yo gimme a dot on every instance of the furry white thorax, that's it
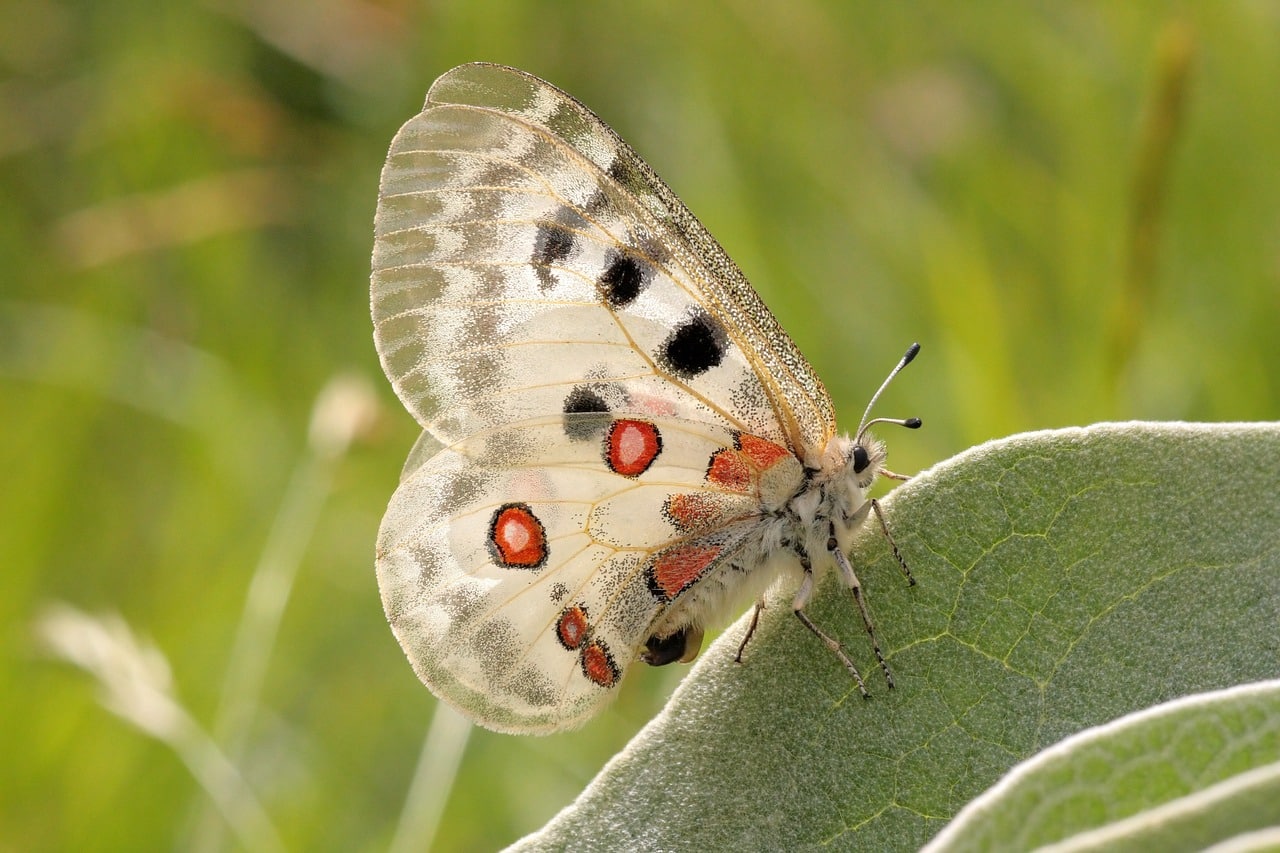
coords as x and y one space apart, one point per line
833 492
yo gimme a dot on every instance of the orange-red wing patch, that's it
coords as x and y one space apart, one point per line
571 627
598 665
631 446
729 470
678 568
764 453
517 538
692 511
738 469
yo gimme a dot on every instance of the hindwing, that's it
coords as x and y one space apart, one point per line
523 573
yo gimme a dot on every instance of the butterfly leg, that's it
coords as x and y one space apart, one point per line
751 630
893 546
851 580
798 604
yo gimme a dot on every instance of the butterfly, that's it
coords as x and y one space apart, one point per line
621 447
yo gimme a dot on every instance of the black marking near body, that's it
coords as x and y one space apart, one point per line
664 650
582 403
623 280
552 245
695 346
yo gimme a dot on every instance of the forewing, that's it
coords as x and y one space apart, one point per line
528 262
523 568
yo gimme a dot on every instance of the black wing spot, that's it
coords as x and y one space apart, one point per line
623 280
586 413
552 245
697 345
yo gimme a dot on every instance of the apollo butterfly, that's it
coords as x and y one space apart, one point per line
620 445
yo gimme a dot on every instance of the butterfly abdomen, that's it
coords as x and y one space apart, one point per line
790 528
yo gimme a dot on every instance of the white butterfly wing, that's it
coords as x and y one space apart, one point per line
522 573
527 261
537 293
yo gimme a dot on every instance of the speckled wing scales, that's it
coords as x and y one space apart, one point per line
608 407
522 572
528 261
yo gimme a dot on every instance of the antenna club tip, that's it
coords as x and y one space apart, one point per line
913 423
864 423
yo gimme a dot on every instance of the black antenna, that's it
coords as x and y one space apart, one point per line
909 423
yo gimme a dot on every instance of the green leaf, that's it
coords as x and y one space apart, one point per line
1065 579
1179 776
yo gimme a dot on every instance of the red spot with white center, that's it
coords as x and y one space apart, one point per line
631 447
516 537
679 568
598 665
571 629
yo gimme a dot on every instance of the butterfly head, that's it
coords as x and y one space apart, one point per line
865 457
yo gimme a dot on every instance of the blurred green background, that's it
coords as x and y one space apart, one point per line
1074 207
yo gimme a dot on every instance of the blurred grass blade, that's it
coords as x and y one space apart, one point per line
192 211
433 780
134 683
344 408
1175 50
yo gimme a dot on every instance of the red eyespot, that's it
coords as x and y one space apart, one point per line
516 537
598 665
631 447
571 628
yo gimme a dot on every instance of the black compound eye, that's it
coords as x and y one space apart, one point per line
860 459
